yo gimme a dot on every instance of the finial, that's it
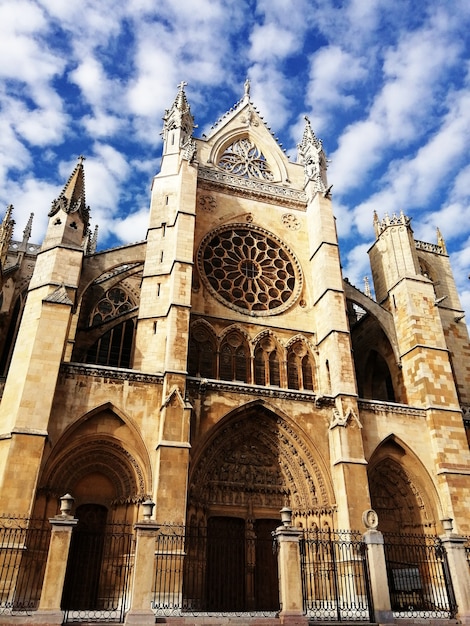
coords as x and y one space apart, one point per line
440 241
81 158
366 286
182 85
27 233
247 88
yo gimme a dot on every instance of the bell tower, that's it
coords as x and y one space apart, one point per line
407 278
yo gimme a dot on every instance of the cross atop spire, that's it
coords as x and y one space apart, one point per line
178 118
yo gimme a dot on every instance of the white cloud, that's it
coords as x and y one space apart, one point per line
270 41
133 227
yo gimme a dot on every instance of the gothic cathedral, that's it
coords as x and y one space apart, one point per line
224 368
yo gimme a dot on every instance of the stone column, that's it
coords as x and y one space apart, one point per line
144 571
49 611
290 577
459 570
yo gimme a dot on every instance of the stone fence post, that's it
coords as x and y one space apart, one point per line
374 541
290 576
140 611
379 588
49 611
459 569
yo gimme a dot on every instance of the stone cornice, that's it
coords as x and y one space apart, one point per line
387 407
203 385
214 179
114 373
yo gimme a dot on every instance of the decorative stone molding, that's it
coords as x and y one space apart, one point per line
206 386
207 203
249 187
341 417
378 407
290 221
429 247
97 371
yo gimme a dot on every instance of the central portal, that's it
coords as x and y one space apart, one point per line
241 565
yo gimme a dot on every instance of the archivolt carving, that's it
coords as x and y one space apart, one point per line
103 456
395 491
258 460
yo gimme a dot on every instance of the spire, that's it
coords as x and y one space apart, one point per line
179 117
92 241
27 233
6 233
72 197
440 241
312 157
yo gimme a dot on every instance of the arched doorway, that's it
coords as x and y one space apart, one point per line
82 580
400 490
252 464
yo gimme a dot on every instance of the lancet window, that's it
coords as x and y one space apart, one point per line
267 369
234 358
299 367
244 158
202 354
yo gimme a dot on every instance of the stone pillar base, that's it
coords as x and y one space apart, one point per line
293 619
464 618
384 617
140 618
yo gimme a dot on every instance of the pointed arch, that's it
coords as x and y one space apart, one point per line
402 491
234 355
202 353
257 135
268 356
300 364
106 465
256 457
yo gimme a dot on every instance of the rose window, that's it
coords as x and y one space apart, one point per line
250 270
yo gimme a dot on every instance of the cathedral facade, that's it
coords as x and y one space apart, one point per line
224 368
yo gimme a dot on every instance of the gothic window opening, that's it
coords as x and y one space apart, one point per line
233 362
12 333
244 158
115 302
299 367
114 348
202 354
267 368
379 384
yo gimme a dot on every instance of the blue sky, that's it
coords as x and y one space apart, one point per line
386 85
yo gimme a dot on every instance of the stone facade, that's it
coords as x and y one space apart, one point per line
224 368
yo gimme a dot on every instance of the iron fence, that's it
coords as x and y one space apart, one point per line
24 545
467 550
216 570
418 577
335 576
98 576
